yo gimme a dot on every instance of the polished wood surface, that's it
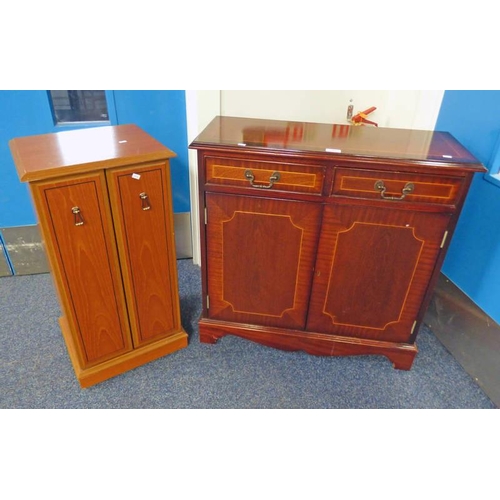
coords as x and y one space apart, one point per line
145 246
321 139
293 177
261 255
113 263
90 375
76 151
83 258
319 344
426 188
372 270
366 283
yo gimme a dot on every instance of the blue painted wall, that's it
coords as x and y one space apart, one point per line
21 113
473 259
162 113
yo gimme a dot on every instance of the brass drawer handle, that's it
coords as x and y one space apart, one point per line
380 186
274 178
145 201
78 216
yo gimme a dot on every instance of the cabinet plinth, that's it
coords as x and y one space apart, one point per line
324 243
104 205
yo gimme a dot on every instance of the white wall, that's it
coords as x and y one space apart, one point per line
417 109
201 107
395 108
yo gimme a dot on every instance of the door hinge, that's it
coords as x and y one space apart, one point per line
413 327
444 239
206 216
208 302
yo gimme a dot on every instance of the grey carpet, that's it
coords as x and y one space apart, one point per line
35 370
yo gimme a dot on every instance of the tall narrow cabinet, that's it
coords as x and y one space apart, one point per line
104 204
325 238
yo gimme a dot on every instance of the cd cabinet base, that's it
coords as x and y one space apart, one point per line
116 366
401 355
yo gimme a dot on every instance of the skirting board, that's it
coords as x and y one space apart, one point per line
472 337
25 250
4 265
24 247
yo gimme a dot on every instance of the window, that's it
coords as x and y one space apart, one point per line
70 106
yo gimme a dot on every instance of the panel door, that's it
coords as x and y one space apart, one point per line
142 209
260 258
372 272
81 244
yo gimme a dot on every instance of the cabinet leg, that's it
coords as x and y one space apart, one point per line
402 360
207 338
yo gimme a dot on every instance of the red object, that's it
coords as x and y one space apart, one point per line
340 130
360 118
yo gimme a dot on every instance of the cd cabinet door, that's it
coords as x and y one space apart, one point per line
78 234
142 212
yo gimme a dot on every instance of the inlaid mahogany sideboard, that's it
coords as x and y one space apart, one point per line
104 204
325 238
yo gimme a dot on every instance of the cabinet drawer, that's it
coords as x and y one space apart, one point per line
265 175
396 186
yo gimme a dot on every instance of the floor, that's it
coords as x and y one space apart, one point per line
468 333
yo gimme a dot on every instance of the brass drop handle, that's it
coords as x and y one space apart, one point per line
145 201
78 216
274 178
408 188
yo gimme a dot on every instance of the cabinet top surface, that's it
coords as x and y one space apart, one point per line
344 140
75 151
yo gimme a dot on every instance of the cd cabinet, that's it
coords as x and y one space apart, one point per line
104 205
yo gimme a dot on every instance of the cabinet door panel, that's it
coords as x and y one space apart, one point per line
145 237
86 254
260 258
373 269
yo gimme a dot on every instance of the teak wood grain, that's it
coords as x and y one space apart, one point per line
84 259
78 151
113 263
369 258
145 235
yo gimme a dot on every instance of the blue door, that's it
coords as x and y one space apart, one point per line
161 113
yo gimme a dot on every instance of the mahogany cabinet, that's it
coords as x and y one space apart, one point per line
104 204
325 238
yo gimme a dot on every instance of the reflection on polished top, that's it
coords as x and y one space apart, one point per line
336 139
43 156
